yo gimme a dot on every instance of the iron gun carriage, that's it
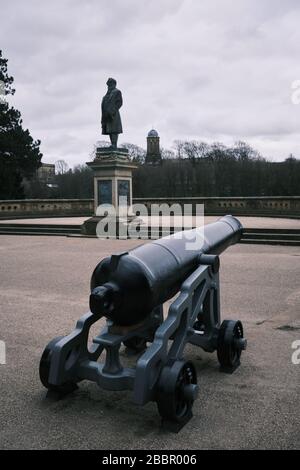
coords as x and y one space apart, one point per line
129 290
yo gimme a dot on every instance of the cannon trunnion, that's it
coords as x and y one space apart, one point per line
129 289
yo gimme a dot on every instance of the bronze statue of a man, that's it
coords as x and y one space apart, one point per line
111 119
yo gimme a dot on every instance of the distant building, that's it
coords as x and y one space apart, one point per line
46 173
153 156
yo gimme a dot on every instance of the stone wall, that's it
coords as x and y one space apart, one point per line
46 208
270 206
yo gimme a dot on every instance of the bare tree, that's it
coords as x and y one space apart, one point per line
193 169
61 167
178 146
136 153
167 154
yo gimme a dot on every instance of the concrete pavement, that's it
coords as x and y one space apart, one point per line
44 290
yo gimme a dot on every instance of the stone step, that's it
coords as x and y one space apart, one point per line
254 236
40 226
268 241
271 235
46 234
272 230
39 229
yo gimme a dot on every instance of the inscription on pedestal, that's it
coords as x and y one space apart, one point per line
105 192
124 192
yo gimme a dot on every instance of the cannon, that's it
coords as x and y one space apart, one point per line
129 290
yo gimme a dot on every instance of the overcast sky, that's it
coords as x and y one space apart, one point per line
212 70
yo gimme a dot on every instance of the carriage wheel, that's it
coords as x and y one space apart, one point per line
177 390
231 343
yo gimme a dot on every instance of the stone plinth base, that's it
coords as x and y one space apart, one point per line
89 227
111 152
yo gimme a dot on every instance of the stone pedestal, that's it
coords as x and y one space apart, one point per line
112 185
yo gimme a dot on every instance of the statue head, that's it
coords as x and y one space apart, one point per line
111 83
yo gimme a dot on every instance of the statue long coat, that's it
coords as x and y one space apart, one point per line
111 119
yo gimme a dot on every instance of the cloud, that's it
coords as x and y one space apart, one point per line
213 70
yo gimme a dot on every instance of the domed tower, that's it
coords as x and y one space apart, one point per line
153 156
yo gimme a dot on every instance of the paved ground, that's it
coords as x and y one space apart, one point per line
248 222
44 289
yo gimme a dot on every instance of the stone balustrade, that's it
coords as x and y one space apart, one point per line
264 205
46 207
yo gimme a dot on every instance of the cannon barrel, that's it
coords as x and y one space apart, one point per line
126 287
